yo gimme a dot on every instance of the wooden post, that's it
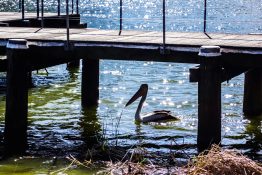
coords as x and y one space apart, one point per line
73 64
58 7
15 133
30 83
90 82
209 98
23 9
37 8
252 105
77 6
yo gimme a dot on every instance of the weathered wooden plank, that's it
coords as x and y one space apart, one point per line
136 37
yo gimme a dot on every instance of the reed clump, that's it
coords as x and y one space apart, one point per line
224 162
216 161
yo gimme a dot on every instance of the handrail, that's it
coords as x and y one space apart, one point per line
37 8
23 9
77 6
72 7
67 26
42 13
19 6
58 7
120 17
164 26
205 15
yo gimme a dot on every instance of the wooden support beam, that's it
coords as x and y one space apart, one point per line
227 73
90 82
252 105
73 64
30 83
15 133
71 54
194 74
209 98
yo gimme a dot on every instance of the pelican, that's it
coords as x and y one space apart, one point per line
155 116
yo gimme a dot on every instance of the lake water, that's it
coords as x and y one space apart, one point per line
59 127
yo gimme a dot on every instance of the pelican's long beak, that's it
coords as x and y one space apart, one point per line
136 96
141 91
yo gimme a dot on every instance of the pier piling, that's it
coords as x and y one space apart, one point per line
15 133
73 64
252 105
209 98
90 82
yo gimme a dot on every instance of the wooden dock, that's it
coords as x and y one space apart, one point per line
49 20
173 39
229 55
237 50
11 16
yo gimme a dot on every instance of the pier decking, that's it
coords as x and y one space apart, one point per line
133 37
107 44
43 47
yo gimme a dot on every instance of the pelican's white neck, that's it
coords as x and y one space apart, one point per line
139 108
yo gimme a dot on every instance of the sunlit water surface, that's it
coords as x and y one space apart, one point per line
59 127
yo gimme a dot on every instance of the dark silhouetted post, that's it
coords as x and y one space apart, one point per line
42 13
15 134
73 64
205 15
58 7
77 6
209 98
67 25
37 8
120 17
72 7
164 26
90 82
252 105
23 9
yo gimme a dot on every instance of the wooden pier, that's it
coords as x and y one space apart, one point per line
28 49
50 20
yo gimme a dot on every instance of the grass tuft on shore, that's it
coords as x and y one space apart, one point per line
212 162
226 162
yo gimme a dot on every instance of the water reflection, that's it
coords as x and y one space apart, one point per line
254 137
72 72
90 127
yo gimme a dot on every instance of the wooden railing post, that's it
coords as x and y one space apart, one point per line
209 98
37 8
15 133
90 82
58 7
23 9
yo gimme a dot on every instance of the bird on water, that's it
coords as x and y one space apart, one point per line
155 116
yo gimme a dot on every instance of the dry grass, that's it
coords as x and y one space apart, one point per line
224 162
214 162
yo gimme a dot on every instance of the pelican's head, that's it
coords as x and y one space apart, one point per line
142 91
